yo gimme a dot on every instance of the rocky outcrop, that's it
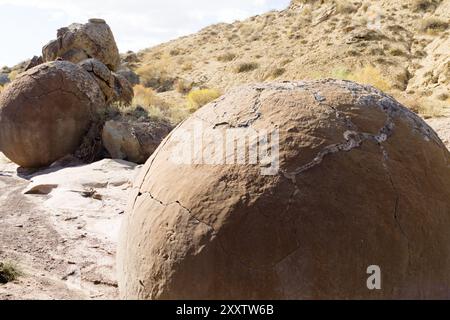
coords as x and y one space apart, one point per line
46 111
114 86
4 79
123 90
79 42
134 141
34 62
362 181
130 75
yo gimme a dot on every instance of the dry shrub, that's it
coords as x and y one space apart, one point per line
13 75
145 97
9 271
157 74
425 107
148 104
187 66
371 76
424 5
278 72
246 67
226 57
183 86
345 7
433 25
199 98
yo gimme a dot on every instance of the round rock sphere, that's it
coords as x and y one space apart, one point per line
45 113
360 202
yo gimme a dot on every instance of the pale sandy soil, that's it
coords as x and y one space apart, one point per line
64 243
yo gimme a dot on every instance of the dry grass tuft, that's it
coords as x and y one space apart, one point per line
246 67
198 98
371 76
226 57
424 5
183 86
278 72
157 74
433 25
345 7
425 107
148 104
9 271
146 97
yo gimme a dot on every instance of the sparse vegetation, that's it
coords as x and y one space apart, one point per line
345 7
146 97
183 86
9 271
396 52
278 72
425 107
226 57
367 75
340 73
199 98
13 75
148 104
424 5
433 25
371 76
157 74
246 67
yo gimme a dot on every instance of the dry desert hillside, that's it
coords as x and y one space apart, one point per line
401 47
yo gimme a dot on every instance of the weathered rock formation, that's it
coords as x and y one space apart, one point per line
46 111
79 42
134 141
114 86
130 75
362 181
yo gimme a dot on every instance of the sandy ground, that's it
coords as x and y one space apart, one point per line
65 244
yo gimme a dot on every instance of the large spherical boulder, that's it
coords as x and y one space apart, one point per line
362 183
79 42
46 111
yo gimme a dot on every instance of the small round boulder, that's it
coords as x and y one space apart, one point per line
46 111
350 194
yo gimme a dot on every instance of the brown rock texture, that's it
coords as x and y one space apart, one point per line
79 42
362 182
134 142
46 111
114 86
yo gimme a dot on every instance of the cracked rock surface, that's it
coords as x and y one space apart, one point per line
362 181
134 141
114 86
79 42
46 111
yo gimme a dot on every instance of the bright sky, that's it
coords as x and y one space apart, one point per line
137 24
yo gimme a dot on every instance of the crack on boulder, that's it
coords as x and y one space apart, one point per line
178 203
255 110
353 140
155 154
397 204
